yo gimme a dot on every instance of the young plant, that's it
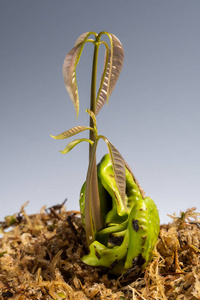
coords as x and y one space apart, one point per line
121 225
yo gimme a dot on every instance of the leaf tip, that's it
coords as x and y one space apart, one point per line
62 151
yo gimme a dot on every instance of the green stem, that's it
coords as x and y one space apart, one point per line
93 85
93 218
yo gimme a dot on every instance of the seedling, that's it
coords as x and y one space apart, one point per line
121 225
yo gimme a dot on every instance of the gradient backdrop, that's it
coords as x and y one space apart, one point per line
153 113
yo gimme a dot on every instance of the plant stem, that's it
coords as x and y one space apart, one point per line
93 86
93 218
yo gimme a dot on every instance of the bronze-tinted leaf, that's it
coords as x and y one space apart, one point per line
93 218
118 168
117 62
82 37
113 62
71 132
92 115
72 144
69 70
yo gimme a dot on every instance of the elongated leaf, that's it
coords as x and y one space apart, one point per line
92 115
117 62
71 132
113 62
69 75
72 144
102 95
93 218
69 70
83 36
118 168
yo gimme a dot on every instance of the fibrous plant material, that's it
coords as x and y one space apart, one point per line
40 258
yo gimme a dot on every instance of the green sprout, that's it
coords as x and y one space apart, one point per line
121 225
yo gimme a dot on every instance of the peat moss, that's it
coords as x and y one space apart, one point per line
40 258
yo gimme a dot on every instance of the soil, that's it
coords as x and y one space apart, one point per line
40 258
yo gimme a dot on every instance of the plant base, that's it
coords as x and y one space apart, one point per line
40 258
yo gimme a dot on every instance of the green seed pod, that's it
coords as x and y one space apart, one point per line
101 255
143 230
126 242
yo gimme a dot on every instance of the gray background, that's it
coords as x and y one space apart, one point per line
153 113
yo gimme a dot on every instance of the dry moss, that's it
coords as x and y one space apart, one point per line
40 258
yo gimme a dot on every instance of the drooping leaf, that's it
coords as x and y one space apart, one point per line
117 62
113 62
69 69
118 169
72 144
83 36
71 132
92 115
102 95
93 218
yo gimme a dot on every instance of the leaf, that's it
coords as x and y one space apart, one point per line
117 62
118 169
72 144
83 36
113 62
92 115
71 132
93 218
69 69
